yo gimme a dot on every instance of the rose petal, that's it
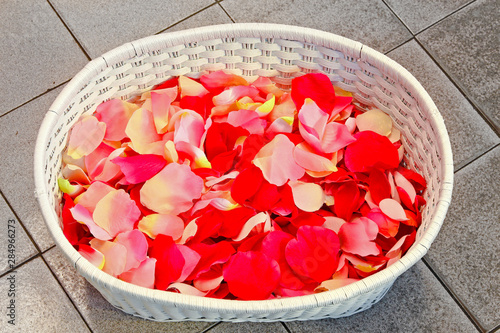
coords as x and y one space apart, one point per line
307 196
115 256
116 212
219 80
376 121
95 257
82 215
141 130
172 190
346 200
161 101
266 86
190 87
387 226
234 93
186 289
115 113
74 173
248 120
189 127
393 209
317 86
371 150
143 276
217 253
333 223
137 247
402 182
139 168
379 186
306 158
251 275
276 161
155 224
195 155
262 217
86 135
313 254
357 237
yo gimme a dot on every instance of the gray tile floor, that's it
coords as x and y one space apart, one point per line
451 46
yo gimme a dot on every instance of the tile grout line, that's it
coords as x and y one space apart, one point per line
69 30
445 17
186 18
32 99
399 45
286 327
225 11
210 327
461 89
452 294
67 295
26 261
21 223
495 329
473 159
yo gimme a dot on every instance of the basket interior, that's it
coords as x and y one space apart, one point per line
280 54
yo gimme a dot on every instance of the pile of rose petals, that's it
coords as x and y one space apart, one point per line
223 188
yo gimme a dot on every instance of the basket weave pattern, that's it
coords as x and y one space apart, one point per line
251 50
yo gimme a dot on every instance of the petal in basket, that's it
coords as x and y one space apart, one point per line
326 129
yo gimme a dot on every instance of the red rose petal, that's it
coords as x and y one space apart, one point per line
251 275
346 200
313 254
371 150
139 168
379 186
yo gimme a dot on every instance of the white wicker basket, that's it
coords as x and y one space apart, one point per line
251 50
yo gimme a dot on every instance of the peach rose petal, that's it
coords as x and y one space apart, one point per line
86 135
261 218
172 190
116 212
247 119
402 182
307 196
74 173
143 276
190 87
232 94
189 127
95 192
137 247
155 224
95 257
333 223
142 131
115 256
393 209
161 101
276 161
375 120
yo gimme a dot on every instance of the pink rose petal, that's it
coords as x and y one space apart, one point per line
139 168
86 135
393 209
143 276
155 224
357 237
115 114
172 190
116 212
276 161
115 256
136 245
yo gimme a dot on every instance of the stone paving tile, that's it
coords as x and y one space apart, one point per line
417 302
466 44
103 25
419 14
36 51
469 134
211 15
40 303
18 132
466 251
101 315
17 247
369 22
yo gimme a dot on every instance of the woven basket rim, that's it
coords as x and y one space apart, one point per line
317 37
